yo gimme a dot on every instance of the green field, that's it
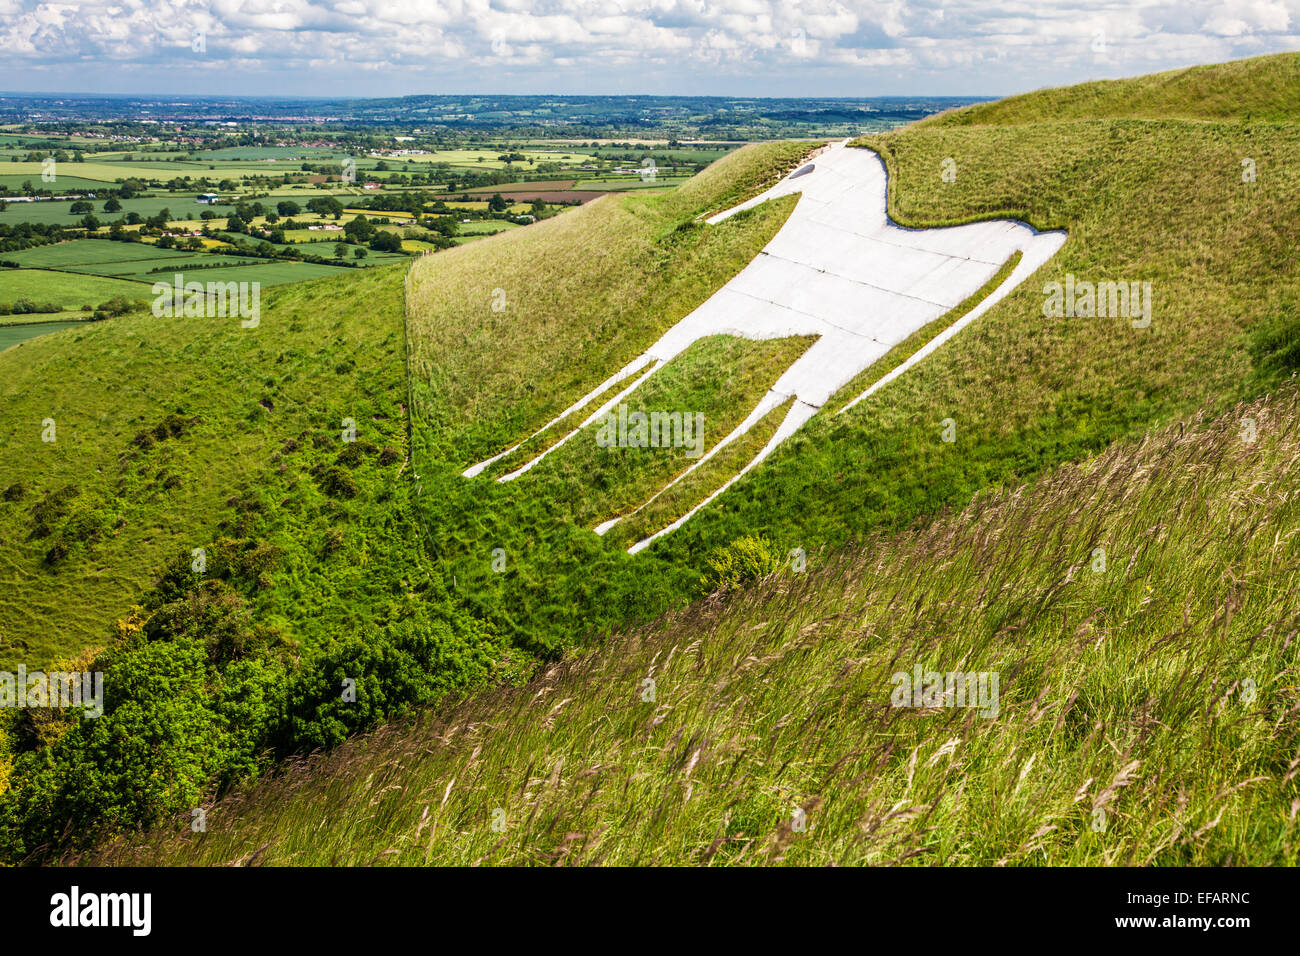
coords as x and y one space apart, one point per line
92 171
11 335
70 291
486 227
137 262
89 252
11 185
181 206
148 269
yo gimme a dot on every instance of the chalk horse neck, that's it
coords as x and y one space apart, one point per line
839 270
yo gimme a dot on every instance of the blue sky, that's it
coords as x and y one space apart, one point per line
724 47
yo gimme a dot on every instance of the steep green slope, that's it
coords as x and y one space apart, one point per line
224 526
1265 88
1160 201
1138 611
223 529
333 562
159 426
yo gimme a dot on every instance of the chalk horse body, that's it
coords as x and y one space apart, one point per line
840 270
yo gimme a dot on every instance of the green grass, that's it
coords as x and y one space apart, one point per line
65 288
584 294
1026 393
676 501
1122 688
720 378
267 273
11 185
489 227
151 269
18 332
140 263
88 251
1147 713
105 382
181 205
1265 88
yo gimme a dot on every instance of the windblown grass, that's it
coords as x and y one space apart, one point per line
1260 88
1148 711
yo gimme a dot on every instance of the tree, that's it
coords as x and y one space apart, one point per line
444 226
235 224
359 253
497 203
112 205
340 249
287 207
80 207
325 206
359 229
385 241
90 223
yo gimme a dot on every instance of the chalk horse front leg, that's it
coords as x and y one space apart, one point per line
628 370
798 414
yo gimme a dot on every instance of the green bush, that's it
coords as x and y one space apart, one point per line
149 755
745 559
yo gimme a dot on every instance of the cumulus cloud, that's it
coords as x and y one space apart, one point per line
762 47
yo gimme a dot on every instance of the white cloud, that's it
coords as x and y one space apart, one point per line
845 47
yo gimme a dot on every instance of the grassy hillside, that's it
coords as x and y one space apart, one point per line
203 531
1265 88
333 561
579 297
1159 201
1147 712
161 425
1162 202
223 524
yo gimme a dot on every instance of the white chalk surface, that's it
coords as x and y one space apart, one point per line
840 270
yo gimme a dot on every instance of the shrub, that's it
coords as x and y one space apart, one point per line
148 756
745 559
337 482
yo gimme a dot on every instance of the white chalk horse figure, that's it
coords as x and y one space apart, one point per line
837 269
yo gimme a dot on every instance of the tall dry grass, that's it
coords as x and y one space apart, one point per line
1148 708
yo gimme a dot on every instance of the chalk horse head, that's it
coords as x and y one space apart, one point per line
840 270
